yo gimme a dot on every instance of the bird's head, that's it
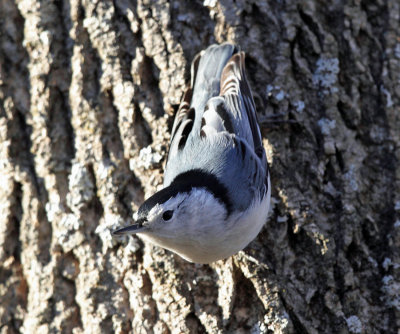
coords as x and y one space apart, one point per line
187 221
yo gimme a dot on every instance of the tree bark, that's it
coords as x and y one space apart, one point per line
88 91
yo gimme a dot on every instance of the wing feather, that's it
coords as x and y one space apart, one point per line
185 112
238 98
205 78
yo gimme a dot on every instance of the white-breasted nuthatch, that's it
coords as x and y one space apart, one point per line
216 185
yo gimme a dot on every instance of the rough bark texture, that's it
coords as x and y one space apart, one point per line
88 90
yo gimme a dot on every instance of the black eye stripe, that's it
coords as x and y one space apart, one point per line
167 215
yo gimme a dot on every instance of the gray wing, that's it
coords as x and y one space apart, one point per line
234 110
206 71
238 108
185 116
220 134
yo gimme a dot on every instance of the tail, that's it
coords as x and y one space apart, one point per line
206 73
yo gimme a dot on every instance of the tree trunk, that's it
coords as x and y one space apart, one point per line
88 91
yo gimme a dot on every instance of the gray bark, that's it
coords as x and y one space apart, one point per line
88 90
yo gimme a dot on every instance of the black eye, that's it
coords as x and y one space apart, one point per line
167 215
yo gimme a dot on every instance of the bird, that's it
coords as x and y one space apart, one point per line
217 186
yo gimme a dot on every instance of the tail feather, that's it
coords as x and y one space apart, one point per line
208 74
218 99
235 87
206 71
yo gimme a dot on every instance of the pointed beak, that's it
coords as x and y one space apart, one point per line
131 229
